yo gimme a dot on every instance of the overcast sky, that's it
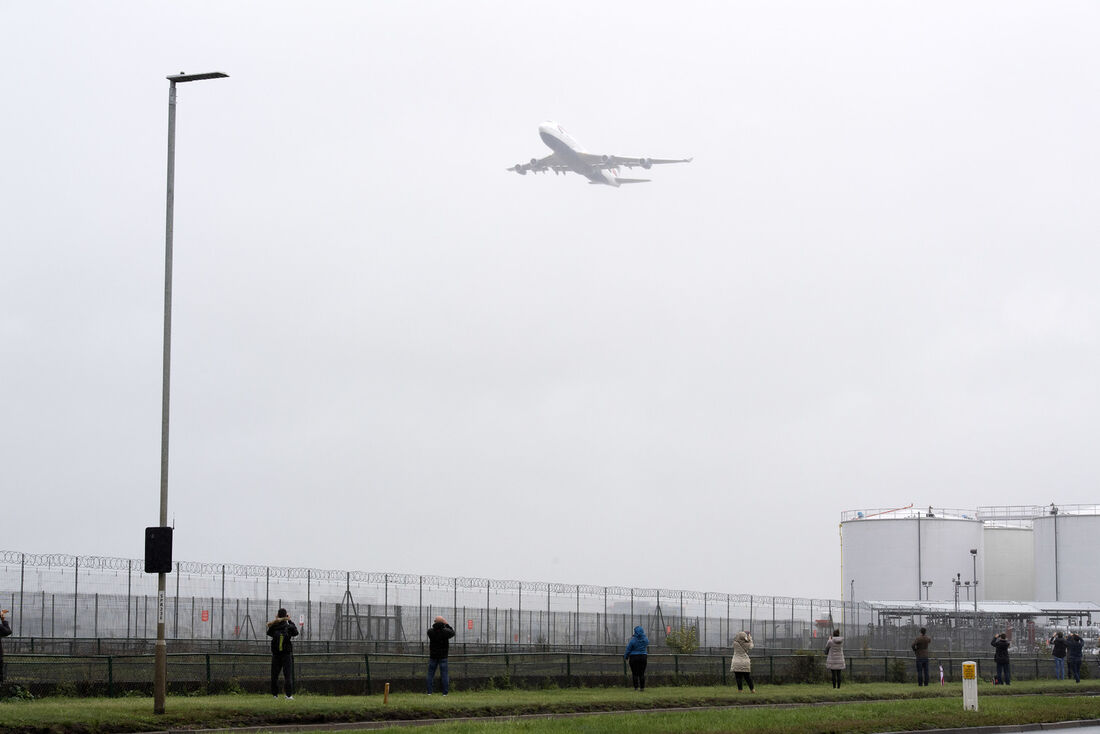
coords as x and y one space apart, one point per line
876 284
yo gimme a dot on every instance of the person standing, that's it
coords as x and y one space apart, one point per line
1058 650
741 664
439 647
1000 657
834 659
1074 652
281 630
637 655
920 647
5 630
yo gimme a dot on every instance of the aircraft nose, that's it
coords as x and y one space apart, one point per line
548 127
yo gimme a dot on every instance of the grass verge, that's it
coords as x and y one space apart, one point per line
101 715
853 718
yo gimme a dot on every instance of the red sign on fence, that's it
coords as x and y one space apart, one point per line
205 615
469 624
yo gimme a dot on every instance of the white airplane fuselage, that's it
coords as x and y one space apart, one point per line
563 144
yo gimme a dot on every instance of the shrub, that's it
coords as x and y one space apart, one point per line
15 692
806 667
66 689
684 640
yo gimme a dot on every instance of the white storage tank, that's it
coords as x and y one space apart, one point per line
1066 548
1009 563
887 554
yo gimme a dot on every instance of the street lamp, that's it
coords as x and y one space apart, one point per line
160 673
974 557
927 590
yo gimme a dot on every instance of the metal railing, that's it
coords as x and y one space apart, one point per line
351 673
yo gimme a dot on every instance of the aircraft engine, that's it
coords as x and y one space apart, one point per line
534 162
646 163
606 158
521 170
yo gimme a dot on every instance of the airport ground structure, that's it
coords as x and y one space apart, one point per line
1021 553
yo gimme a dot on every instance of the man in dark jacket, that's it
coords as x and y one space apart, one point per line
920 647
5 630
439 645
1058 650
1074 649
280 630
1000 657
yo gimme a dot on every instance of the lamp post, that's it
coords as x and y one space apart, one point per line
974 557
927 590
160 672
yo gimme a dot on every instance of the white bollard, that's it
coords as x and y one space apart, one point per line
970 686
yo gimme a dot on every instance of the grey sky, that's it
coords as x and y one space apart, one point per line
875 285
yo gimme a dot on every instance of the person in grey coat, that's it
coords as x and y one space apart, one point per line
741 664
834 660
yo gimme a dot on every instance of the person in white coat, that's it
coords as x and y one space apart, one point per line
741 664
834 659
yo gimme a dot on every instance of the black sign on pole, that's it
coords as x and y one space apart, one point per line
158 550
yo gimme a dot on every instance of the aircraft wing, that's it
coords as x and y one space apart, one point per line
540 165
619 161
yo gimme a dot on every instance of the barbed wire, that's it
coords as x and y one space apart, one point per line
257 572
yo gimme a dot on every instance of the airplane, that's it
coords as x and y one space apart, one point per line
569 156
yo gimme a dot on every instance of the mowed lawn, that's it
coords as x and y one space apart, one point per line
899 707
858 717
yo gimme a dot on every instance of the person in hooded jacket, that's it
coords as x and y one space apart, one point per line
741 664
1075 647
1000 657
834 658
439 647
280 630
637 655
1058 650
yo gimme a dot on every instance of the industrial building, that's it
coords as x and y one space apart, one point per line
1022 553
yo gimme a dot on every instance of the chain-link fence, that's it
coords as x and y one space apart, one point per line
62 597
93 605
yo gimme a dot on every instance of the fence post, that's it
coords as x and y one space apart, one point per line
366 662
76 591
676 665
771 669
207 672
723 670
568 667
110 676
885 668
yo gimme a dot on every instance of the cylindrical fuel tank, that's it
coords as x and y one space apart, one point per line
886 557
1066 549
1009 563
